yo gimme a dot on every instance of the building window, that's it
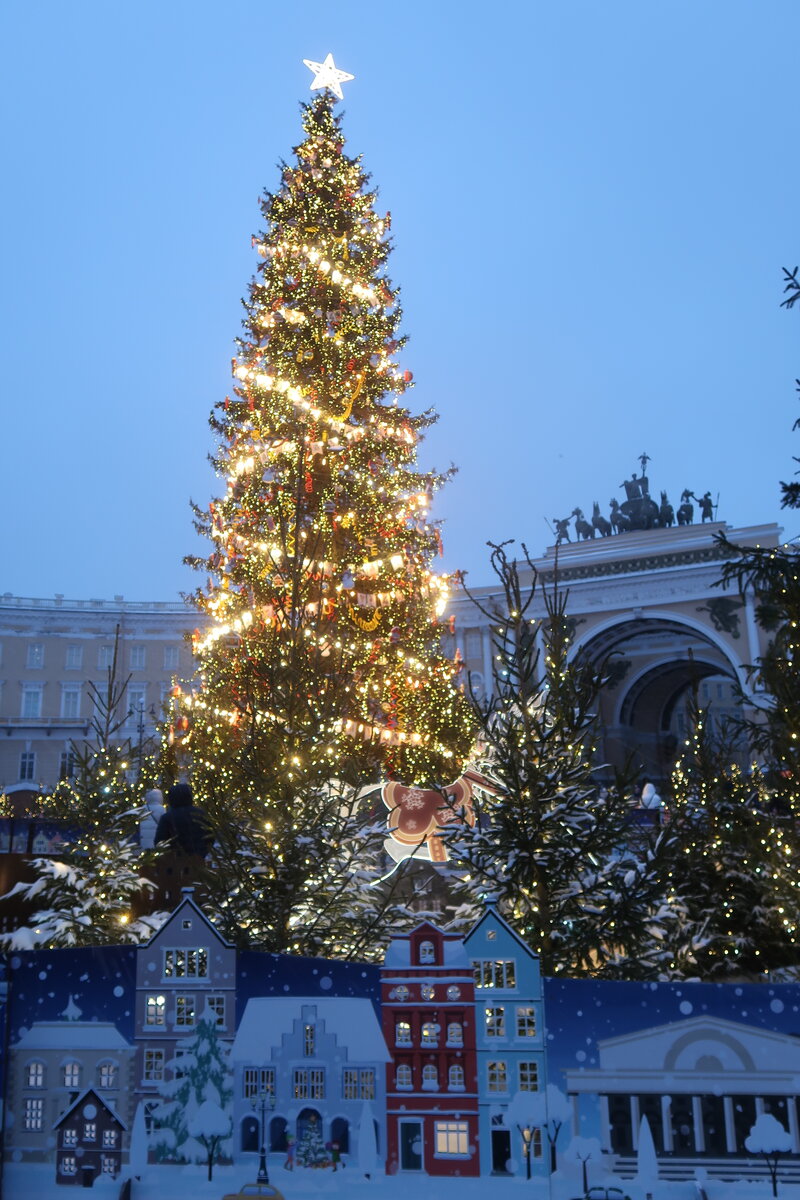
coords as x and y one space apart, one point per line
153 1066
427 952
137 701
90 1131
33 1114
257 1081
69 1164
215 1009
495 1022
184 1011
34 1075
403 1079
455 1078
171 658
105 657
317 1083
366 1084
430 1078
349 1084
109 1138
497 1076
27 765
300 1084
186 964
108 1164
74 659
31 708
72 1075
137 658
108 1075
430 1033
536 1143
69 1137
528 1077
451 1139
155 1008
402 1033
358 1084
495 973
455 1034
309 1041
35 660
68 765
70 700
526 1022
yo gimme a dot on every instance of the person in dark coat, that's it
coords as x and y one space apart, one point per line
184 823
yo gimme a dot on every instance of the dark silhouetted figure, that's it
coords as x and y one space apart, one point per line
184 823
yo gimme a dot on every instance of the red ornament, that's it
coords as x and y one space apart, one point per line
227 403
408 376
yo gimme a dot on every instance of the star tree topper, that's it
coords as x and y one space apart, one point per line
326 74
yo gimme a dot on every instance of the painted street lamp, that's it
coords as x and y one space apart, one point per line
260 1103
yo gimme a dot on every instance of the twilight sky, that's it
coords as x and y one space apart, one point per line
591 207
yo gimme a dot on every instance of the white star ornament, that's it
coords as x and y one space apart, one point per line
327 74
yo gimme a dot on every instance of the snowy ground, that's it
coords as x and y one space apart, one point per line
176 1183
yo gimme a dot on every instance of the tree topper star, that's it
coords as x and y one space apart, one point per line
326 74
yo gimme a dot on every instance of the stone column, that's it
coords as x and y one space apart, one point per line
605 1124
666 1123
791 1112
635 1118
697 1118
730 1124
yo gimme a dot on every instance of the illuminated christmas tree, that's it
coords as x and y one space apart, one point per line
322 659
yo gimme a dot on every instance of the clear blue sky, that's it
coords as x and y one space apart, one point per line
592 203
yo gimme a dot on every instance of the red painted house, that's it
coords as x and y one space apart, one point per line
428 1015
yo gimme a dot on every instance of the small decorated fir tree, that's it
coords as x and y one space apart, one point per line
311 1150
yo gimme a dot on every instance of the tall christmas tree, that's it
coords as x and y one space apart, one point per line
322 661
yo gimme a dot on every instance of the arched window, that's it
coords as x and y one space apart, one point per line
72 1074
430 1078
455 1034
403 1078
455 1078
402 1033
34 1074
108 1074
427 952
430 1034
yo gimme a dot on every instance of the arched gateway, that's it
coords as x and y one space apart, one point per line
650 599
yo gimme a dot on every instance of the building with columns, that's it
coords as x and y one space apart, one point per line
651 600
700 1082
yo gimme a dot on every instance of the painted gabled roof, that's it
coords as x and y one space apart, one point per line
491 914
82 1099
72 1035
189 902
351 1020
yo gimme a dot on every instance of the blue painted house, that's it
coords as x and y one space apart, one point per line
509 1022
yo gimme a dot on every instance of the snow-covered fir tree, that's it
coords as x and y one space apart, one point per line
200 1074
555 847
311 1150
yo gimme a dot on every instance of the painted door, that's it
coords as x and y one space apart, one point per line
411 1145
501 1151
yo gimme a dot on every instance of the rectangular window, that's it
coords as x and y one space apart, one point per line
309 1041
137 658
258 1081
70 700
34 1076
495 1022
108 1164
451 1139
68 765
69 1137
497 1076
155 1008
350 1084
72 1075
153 1066
367 1084
105 657
528 1077
35 660
31 708
495 973
536 1144
27 765
215 1006
74 658
526 1021
402 1033
108 1075
137 715
171 658
90 1131
33 1114
317 1083
109 1138
186 964
300 1084
69 1164
184 1011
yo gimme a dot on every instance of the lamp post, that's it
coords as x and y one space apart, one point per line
139 713
527 1138
260 1103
